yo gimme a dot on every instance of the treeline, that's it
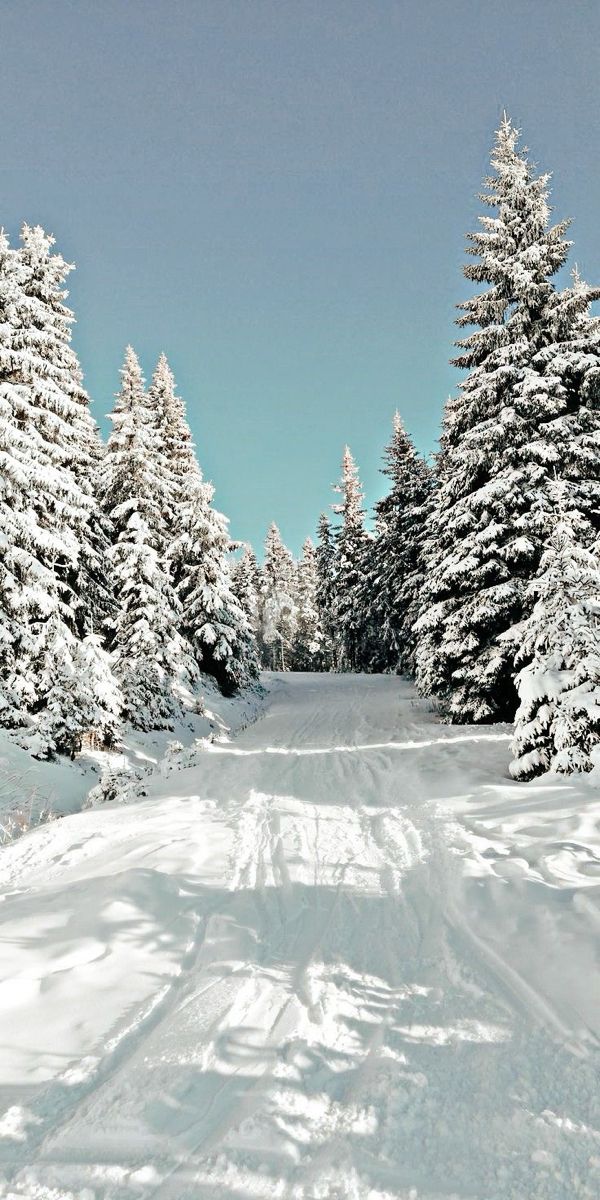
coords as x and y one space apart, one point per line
115 567
350 602
482 575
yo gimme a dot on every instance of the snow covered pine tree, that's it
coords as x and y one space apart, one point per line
246 583
558 720
349 619
213 618
277 604
49 550
152 660
198 547
487 530
308 641
84 702
394 568
325 556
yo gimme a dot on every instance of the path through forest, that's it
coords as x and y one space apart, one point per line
340 956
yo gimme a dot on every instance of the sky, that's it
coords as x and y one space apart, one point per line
276 193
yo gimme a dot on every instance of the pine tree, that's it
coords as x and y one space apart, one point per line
129 469
197 544
488 526
18 560
277 606
565 382
558 720
308 640
394 570
214 621
325 558
176 467
84 703
63 408
47 510
153 661
349 619
245 580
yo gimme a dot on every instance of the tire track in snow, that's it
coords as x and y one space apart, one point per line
75 1092
527 998
265 864
399 846
259 825
62 1100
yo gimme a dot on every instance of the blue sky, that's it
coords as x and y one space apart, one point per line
276 193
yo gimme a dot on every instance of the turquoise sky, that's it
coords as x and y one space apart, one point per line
276 195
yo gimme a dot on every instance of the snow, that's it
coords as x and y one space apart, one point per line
31 789
340 955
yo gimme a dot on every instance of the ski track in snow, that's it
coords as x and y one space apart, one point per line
341 957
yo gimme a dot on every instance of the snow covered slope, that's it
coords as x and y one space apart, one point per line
32 788
341 956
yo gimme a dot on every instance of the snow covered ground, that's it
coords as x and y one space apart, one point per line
341 955
33 789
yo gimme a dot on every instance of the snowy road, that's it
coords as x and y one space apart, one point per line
340 957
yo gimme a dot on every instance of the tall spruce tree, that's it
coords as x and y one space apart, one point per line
565 383
198 547
24 579
325 558
48 517
213 618
394 567
557 725
153 661
84 702
278 613
197 544
349 618
128 480
245 580
487 529
62 397
308 640
176 468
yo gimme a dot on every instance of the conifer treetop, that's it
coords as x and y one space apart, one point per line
350 488
518 251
